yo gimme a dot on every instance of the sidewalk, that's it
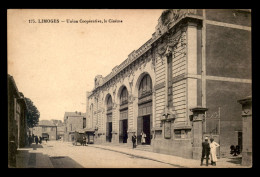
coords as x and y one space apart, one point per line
169 159
28 157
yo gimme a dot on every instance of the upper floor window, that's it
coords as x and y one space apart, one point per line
124 96
145 86
91 110
109 103
169 79
84 122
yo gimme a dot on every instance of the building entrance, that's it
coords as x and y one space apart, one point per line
144 125
147 129
109 128
123 131
109 132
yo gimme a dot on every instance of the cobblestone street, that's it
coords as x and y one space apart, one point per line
57 154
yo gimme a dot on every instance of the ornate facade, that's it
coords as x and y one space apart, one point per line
153 90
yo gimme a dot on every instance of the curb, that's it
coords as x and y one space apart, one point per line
138 156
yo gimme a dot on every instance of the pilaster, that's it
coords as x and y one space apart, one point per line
197 118
247 131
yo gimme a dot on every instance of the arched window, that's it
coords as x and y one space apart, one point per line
124 96
145 87
109 103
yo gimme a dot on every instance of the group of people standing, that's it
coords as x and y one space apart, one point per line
143 139
209 150
36 139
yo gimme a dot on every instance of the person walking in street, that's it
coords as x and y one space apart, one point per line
205 151
143 136
40 140
84 140
33 138
36 140
134 140
213 151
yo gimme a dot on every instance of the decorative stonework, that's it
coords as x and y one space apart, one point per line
114 105
131 98
170 17
159 85
130 80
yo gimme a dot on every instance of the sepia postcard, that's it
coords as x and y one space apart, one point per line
129 88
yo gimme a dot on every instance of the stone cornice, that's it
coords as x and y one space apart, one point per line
144 49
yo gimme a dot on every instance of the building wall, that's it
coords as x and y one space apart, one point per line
228 52
225 95
228 70
17 129
12 127
71 124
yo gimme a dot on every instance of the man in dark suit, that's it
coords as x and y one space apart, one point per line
205 151
134 140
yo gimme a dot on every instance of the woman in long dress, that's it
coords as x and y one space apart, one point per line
143 135
213 151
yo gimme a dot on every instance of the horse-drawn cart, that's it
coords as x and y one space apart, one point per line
78 138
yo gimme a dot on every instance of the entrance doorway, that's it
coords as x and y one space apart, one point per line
109 132
144 125
147 129
123 131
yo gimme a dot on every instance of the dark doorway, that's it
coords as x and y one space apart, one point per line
240 140
109 132
123 131
147 129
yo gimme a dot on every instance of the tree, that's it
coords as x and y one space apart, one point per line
32 114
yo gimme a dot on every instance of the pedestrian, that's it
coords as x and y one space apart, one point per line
84 140
40 141
143 136
134 140
36 140
46 139
213 151
205 151
30 140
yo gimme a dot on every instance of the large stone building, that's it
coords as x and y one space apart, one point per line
195 58
73 121
45 129
17 115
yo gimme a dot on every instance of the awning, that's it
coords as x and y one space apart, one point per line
90 130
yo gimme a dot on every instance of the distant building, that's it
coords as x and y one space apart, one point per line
45 129
58 123
60 132
60 128
73 121
17 127
195 58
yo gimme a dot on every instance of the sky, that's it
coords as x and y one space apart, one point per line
55 64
